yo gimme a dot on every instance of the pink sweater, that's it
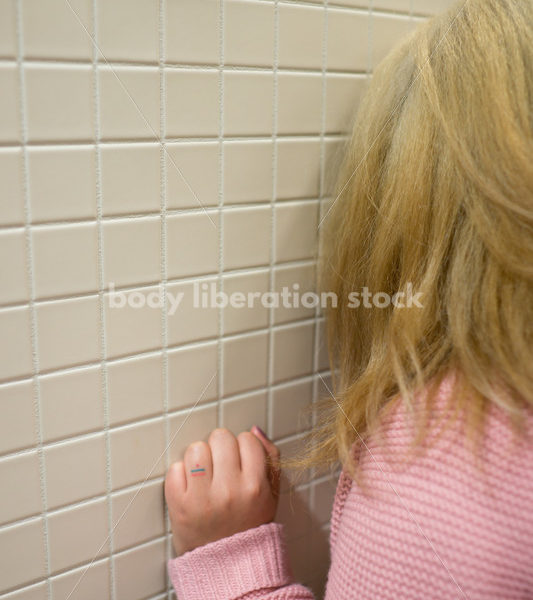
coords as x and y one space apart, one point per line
439 526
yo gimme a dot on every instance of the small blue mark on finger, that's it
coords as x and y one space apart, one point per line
197 471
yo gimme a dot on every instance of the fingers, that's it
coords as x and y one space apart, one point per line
226 455
270 448
198 466
252 455
175 482
273 456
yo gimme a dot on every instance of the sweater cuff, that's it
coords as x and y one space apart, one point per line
233 566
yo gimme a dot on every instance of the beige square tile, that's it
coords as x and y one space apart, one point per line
192 103
133 321
290 448
53 30
192 244
132 251
189 427
395 5
248 100
77 535
17 426
15 343
293 351
22 489
130 178
247 233
323 360
11 199
68 332
392 5
298 169
288 408
387 31
22 553
242 314
141 572
343 94
192 35
71 403
248 33
296 231
129 102
247 171
62 183
295 281
65 259
75 470
325 386
8 29
138 515
324 493
333 155
93 584
320 559
190 375
431 7
33 592
299 549
59 102
299 103
128 30
137 453
135 388
294 513
245 363
13 266
240 414
9 104
301 35
347 40
192 174
193 319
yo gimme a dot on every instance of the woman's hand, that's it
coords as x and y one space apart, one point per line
227 485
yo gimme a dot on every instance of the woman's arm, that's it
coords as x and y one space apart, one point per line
222 499
249 565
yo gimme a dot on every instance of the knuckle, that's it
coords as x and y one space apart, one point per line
226 497
254 489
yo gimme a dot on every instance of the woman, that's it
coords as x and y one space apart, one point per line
432 413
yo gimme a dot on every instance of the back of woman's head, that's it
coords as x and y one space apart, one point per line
436 192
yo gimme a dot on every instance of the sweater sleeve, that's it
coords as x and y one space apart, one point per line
251 564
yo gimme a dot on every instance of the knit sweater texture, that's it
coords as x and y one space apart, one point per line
433 523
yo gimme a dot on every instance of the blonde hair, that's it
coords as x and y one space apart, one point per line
436 190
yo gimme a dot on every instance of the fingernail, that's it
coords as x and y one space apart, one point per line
261 432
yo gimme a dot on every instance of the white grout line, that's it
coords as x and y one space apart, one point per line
123 218
153 418
164 264
220 279
322 187
152 141
187 345
272 279
101 304
37 409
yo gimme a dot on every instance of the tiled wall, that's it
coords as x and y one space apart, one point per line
192 141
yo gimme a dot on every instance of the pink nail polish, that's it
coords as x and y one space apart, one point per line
261 432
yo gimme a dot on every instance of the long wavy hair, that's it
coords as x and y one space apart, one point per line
435 191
